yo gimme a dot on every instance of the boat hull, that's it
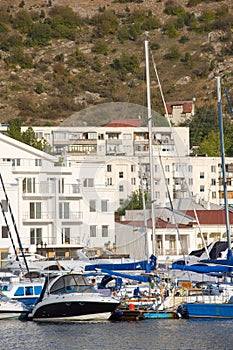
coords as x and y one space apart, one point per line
5 315
209 310
104 316
73 310
159 315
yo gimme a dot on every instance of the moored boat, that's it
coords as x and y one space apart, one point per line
25 291
11 308
71 297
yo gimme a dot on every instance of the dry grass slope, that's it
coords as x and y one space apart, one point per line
44 84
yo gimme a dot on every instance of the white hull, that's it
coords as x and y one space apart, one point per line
9 315
92 317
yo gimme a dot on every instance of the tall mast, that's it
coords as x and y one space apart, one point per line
150 143
223 164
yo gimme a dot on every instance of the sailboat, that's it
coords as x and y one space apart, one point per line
220 306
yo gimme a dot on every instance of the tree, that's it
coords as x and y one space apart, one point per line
134 202
210 145
28 136
14 129
204 121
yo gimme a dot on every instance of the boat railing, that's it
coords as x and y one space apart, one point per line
208 296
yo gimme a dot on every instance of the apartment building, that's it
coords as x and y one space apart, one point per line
58 206
67 201
124 153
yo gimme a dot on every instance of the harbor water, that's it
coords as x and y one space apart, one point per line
136 335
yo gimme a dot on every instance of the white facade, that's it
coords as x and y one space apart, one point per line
70 200
51 203
125 153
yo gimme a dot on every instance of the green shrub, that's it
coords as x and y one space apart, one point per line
66 16
106 23
171 8
184 39
192 3
100 47
125 64
22 21
40 34
39 89
173 53
17 56
171 30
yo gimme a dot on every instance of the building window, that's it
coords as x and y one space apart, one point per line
121 188
65 235
4 232
109 181
64 210
133 168
202 175
202 188
61 185
109 168
16 162
190 168
92 206
35 210
213 182
156 168
5 205
213 169
93 230
190 181
127 137
214 195
29 185
157 195
35 235
38 162
104 205
104 231
88 183
167 168
121 201
121 174
133 181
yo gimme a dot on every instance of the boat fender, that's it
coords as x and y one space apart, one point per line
184 292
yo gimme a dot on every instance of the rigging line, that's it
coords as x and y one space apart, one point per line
144 206
14 223
172 208
170 126
133 240
11 238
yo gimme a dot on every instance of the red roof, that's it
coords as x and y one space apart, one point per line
125 123
187 106
159 223
211 217
205 217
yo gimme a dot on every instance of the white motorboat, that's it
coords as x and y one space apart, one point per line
71 297
26 291
12 308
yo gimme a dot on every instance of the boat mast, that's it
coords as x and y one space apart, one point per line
150 142
14 223
223 165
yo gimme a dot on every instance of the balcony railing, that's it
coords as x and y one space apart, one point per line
50 216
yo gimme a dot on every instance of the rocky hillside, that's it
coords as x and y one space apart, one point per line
58 57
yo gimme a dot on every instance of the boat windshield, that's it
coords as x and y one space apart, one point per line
72 283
